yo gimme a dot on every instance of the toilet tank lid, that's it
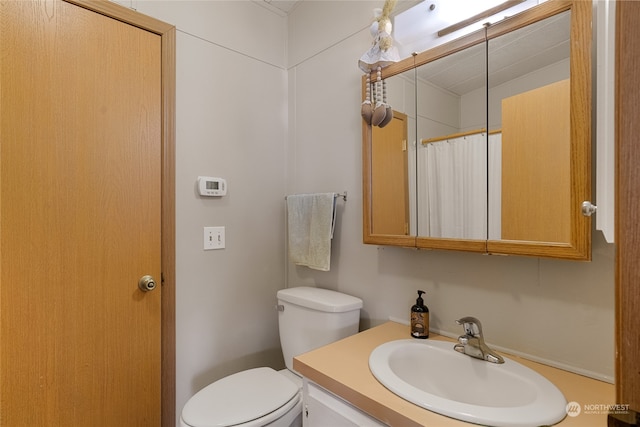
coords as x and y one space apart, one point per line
320 299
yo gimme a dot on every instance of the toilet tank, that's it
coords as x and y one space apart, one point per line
312 317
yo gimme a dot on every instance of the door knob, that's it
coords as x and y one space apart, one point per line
147 283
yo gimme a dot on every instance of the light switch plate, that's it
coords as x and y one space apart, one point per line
213 238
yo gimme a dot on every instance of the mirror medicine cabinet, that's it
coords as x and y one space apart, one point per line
489 149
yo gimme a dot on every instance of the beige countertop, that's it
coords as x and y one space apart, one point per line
343 368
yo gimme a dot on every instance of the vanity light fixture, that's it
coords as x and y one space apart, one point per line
478 17
431 23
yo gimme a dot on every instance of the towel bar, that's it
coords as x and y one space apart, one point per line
343 195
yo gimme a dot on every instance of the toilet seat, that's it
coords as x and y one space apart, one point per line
260 393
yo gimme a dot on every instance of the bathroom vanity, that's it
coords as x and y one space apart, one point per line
338 385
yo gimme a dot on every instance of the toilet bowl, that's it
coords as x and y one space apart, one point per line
266 397
252 398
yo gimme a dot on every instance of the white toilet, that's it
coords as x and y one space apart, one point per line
308 318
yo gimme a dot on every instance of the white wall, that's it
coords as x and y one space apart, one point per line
559 311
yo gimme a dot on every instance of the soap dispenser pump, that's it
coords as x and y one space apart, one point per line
420 318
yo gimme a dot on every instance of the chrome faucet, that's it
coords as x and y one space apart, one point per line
472 342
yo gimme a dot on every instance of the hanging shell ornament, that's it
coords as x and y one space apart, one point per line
366 110
381 54
389 111
380 110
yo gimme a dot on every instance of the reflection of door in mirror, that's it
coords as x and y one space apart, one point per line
390 178
391 164
529 98
536 145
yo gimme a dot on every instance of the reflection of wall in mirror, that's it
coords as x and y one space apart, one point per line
534 79
438 111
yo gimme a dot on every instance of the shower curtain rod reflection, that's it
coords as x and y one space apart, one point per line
458 135
343 195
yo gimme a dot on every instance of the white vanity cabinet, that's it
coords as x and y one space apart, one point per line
323 409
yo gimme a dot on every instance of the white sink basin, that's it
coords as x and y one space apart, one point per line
431 374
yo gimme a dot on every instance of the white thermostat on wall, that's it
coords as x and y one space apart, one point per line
210 186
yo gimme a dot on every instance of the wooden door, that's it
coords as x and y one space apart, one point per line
627 205
80 218
536 147
390 179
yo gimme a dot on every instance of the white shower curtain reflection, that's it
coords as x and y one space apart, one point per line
495 186
413 181
454 199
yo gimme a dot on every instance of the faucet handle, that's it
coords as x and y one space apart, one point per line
471 326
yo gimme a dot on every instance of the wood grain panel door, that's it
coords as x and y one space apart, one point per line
536 147
627 205
390 178
80 218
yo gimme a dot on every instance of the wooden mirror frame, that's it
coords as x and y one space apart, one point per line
579 246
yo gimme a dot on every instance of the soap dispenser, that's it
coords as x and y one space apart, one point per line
420 318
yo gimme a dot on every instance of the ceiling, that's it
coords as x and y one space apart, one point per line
516 54
533 47
284 6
